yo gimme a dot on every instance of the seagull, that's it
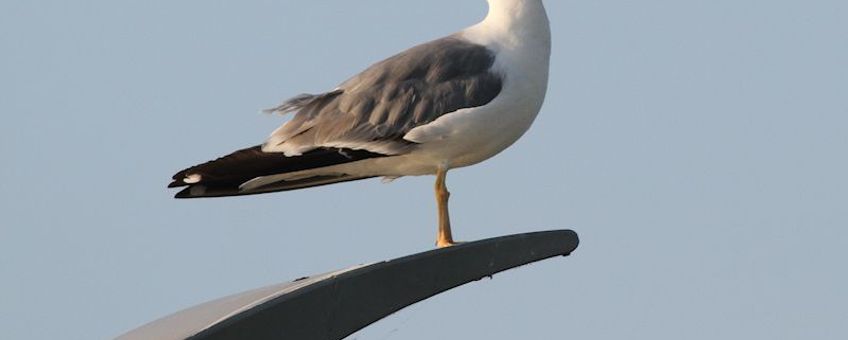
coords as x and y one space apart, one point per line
448 103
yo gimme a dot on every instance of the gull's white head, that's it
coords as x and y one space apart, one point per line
513 4
512 21
516 10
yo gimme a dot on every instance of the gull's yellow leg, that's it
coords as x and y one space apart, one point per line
444 238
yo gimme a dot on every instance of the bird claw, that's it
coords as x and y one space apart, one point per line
447 243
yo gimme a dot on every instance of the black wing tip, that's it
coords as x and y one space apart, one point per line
182 194
204 191
224 176
179 179
229 190
185 193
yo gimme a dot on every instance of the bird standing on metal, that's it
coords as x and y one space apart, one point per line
444 104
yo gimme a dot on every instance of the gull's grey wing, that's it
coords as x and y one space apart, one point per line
374 110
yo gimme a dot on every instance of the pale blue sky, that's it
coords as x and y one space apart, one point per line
698 147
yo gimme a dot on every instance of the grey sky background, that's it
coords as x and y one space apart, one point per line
698 147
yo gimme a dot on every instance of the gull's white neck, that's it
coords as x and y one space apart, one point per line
511 24
519 33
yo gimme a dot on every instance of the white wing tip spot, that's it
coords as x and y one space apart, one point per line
193 178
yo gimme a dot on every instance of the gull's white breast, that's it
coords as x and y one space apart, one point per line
522 48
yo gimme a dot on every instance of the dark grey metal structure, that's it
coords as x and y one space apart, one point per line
337 304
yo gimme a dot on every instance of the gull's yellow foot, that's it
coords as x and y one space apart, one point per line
446 243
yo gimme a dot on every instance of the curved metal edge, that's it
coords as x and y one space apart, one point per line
342 304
